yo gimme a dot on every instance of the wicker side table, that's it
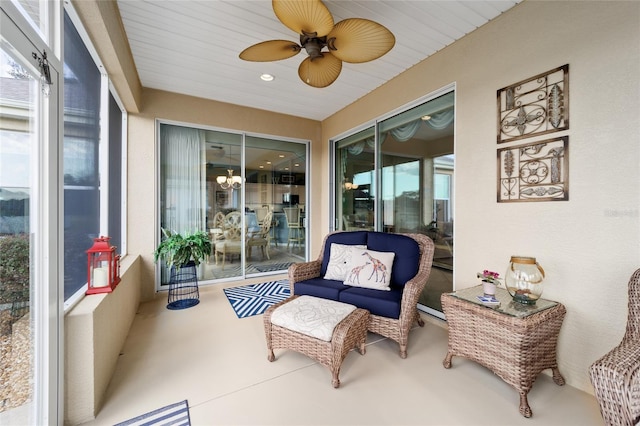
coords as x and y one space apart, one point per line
514 341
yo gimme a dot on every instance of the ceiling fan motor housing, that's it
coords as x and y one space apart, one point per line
313 45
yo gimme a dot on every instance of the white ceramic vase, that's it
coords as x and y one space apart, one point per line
488 288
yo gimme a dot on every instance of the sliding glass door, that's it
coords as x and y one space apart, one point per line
397 176
247 192
30 300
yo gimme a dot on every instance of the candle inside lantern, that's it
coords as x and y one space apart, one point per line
100 277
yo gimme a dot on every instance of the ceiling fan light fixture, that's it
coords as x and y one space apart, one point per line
353 40
314 46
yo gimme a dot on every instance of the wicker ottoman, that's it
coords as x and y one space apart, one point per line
349 333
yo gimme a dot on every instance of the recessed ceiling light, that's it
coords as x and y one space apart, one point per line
296 165
262 167
426 117
268 162
281 155
267 77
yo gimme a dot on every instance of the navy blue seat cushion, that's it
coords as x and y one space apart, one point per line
350 238
407 259
319 287
378 302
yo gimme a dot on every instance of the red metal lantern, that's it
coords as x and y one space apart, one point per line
102 267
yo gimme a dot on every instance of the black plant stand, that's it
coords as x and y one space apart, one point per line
183 287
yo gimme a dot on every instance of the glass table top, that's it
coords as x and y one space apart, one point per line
507 305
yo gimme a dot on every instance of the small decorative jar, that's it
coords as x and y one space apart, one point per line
524 279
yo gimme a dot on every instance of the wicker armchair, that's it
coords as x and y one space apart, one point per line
395 329
616 376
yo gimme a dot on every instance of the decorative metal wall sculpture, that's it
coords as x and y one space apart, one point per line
538 171
535 106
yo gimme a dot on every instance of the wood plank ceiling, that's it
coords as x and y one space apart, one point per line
192 47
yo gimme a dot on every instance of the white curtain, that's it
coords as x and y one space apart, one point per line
183 151
442 119
405 132
438 121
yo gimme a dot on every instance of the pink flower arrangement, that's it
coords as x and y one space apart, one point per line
489 276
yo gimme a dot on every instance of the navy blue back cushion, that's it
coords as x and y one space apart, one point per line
407 258
350 238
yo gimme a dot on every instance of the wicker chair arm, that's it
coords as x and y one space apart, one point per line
303 271
414 287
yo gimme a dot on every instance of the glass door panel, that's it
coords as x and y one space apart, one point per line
417 169
414 168
275 204
19 124
224 188
355 184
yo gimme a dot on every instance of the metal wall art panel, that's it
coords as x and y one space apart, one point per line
533 107
537 171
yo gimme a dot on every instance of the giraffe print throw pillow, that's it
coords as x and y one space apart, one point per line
339 257
369 269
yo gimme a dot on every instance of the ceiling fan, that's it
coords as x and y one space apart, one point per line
352 40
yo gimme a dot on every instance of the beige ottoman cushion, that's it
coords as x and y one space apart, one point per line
312 316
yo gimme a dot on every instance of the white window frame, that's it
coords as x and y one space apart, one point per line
47 271
106 89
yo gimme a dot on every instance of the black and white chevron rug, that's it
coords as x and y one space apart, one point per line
254 299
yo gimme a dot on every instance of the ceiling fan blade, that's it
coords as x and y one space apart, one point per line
304 17
320 72
272 50
359 40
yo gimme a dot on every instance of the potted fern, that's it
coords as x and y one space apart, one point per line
177 249
183 251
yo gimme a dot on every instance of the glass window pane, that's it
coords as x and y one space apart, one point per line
81 142
115 174
441 186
